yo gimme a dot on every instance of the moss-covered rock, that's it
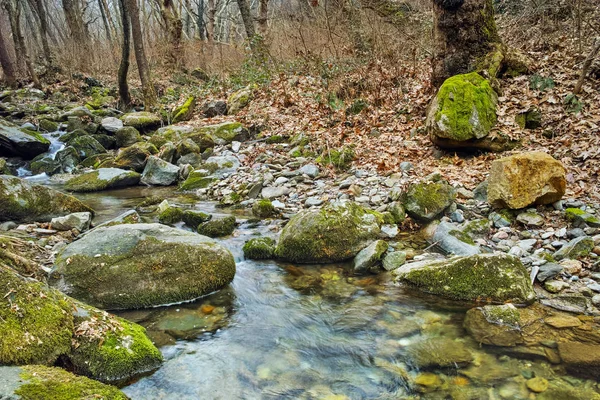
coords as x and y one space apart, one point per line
103 179
20 142
488 277
86 146
36 382
186 146
24 202
135 156
262 248
141 265
337 232
194 218
439 353
525 179
185 111
223 133
341 158
36 324
263 208
44 164
369 258
426 201
170 215
578 247
47 125
238 100
199 179
218 227
159 172
126 136
579 217
530 119
142 120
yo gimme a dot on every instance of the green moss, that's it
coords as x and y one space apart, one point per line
579 215
197 180
505 314
171 215
218 227
36 135
47 125
427 200
276 139
195 218
340 159
42 383
263 208
462 236
477 227
36 323
462 100
259 248
93 182
230 199
185 111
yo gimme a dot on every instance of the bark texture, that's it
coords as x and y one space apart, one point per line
8 68
124 97
140 54
174 30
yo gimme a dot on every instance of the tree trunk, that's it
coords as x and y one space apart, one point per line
105 21
74 19
200 21
174 28
40 10
14 14
586 66
140 54
8 68
356 30
464 33
246 19
263 17
124 97
211 20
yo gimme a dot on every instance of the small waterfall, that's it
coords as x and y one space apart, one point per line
55 146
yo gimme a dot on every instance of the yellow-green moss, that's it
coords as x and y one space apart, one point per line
171 215
340 159
197 180
427 200
263 208
262 248
218 227
184 111
577 214
194 218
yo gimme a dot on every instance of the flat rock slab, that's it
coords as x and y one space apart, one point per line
103 179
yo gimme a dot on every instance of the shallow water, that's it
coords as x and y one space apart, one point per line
283 331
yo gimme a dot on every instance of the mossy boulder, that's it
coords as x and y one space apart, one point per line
262 248
578 247
369 258
218 227
263 208
193 218
102 179
86 146
185 111
21 142
463 113
225 132
135 156
170 215
525 179
336 232
36 382
141 265
425 201
44 164
238 100
198 179
530 119
126 136
23 202
47 125
36 324
488 277
159 172
579 217
141 120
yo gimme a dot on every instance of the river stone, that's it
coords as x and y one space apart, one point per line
492 277
218 227
111 124
86 146
80 221
159 172
135 156
126 136
141 265
580 217
39 382
67 159
439 353
368 258
24 202
582 359
578 247
223 166
425 201
549 270
141 120
103 179
262 248
272 192
336 232
524 179
393 260
310 169
531 219
454 241
25 143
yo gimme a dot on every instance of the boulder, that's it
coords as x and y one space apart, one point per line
218 227
262 248
369 258
199 179
193 218
225 132
67 159
111 124
126 136
336 232
463 113
170 215
159 172
489 277
23 202
214 108
185 111
40 382
141 265
86 146
263 209
80 221
135 156
238 100
102 179
222 166
15 141
141 120
453 240
524 179
578 247
393 260
425 201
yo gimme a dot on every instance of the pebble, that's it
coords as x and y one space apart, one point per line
457 216
595 287
278 204
313 202
235 146
406 166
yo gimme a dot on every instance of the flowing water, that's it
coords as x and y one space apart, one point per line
55 146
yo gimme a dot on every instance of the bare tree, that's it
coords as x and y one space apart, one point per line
210 28
246 19
14 14
124 97
39 9
74 19
174 28
263 17
140 54
8 68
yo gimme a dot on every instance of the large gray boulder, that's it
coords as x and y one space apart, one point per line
102 179
15 141
337 232
23 202
492 277
159 172
141 265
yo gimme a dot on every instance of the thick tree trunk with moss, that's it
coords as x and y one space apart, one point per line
464 33
174 30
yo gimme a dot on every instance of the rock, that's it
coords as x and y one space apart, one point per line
23 202
86 146
198 179
368 259
579 217
142 120
214 108
159 172
462 114
170 215
313 201
141 265
480 192
102 179
530 119
218 227
537 384
80 221
47 125
439 353
578 247
126 136
582 359
336 232
531 219
222 166
185 111
572 267
39 382
262 248
549 270
226 132
398 212
15 141
135 156
494 277
426 201
194 218
238 100
108 142
453 241
524 179
311 170
264 209
111 124
555 286
272 192
389 231
394 260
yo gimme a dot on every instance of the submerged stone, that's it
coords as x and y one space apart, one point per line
103 179
262 248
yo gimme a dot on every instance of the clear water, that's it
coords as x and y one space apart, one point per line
283 331
55 146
